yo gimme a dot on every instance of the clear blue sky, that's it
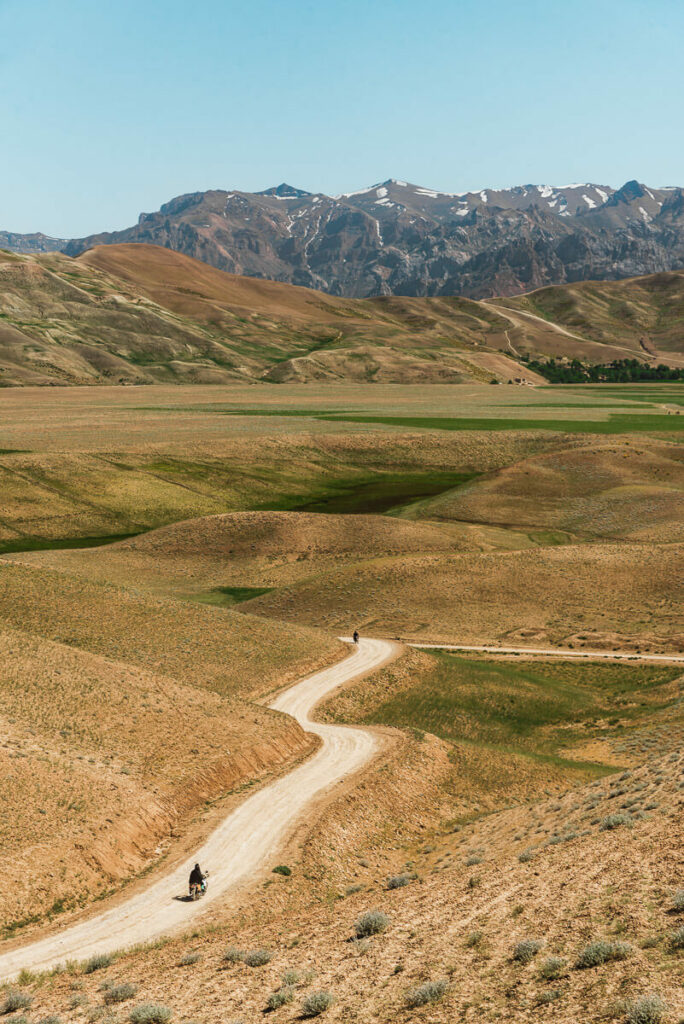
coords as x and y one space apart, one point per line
110 107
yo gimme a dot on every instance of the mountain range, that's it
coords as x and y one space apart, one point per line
396 238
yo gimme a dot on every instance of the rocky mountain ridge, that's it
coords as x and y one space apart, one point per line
396 238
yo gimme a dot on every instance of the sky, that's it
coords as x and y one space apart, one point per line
112 107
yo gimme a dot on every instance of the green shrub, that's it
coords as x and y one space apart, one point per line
53 1018
430 992
526 856
678 901
280 998
552 968
150 1013
120 993
614 821
290 978
373 922
550 996
677 939
257 957
16 1000
282 869
602 952
646 1010
472 861
233 955
474 939
526 950
316 1003
97 963
399 881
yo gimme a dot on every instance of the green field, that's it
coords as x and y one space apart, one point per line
533 709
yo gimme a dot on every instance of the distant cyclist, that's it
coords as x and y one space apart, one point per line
355 636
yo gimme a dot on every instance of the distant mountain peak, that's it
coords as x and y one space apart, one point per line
285 191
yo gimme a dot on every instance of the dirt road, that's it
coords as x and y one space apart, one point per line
556 652
242 844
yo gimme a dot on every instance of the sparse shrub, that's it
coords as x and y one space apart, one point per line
233 955
150 1013
678 901
189 959
613 821
21 1019
257 957
526 950
373 922
77 1000
53 1018
120 993
677 939
473 882
646 1010
291 978
602 952
280 998
97 963
282 869
16 1000
550 996
430 992
399 881
552 968
351 889
472 861
316 1003
526 856
474 939
650 942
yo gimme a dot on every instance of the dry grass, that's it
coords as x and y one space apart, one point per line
106 758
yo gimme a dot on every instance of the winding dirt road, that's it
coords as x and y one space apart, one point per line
554 652
241 845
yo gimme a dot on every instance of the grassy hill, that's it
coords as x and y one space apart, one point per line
138 314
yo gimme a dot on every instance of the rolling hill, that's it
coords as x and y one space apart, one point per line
137 314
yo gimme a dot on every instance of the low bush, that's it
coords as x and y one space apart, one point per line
189 959
291 978
552 968
677 939
282 869
120 993
614 821
430 992
474 939
373 922
472 861
526 856
678 901
15 1000
150 1013
399 881
550 996
257 957
602 952
316 1003
646 1010
97 963
233 955
526 950
280 998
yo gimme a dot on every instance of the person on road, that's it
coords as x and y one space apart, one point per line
196 877
355 636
